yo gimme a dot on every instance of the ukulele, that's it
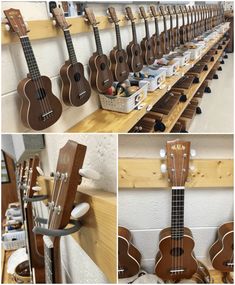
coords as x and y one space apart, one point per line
66 180
135 60
188 26
221 252
128 256
171 31
40 108
164 35
192 23
158 53
118 55
176 29
196 22
76 90
101 75
183 38
147 43
34 242
175 259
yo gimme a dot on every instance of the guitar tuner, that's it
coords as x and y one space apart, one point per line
40 171
80 210
162 153
163 168
37 188
54 23
193 152
89 173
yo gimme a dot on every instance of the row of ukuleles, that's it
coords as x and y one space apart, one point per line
41 109
175 260
43 243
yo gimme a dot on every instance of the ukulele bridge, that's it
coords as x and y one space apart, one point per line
47 115
82 94
176 271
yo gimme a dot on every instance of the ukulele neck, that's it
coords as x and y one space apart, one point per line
70 47
177 212
147 29
30 58
134 32
98 41
48 258
156 26
118 36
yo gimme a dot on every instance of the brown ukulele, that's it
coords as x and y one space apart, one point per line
147 43
101 75
34 242
128 256
175 259
66 180
76 89
118 55
135 59
158 53
221 252
40 108
164 35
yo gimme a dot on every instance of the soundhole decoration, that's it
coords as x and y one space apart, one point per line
102 66
77 76
41 93
136 53
177 251
120 59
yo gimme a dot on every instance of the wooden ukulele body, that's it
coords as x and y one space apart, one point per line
221 252
182 35
171 39
176 37
119 65
76 90
135 59
157 47
101 76
128 256
164 43
33 108
175 254
147 47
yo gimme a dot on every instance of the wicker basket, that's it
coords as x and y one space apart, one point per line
124 104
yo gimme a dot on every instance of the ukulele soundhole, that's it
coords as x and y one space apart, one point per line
120 59
177 251
136 53
41 93
102 66
149 47
77 76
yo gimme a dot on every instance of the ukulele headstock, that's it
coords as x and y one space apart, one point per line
112 15
176 10
33 175
90 17
153 11
177 158
143 13
58 14
162 11
66 180
169 10
129 14
16 22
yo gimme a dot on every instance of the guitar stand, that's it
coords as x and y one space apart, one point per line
35 198
60 232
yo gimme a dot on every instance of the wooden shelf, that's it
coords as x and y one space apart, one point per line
98 234
108 121
145 173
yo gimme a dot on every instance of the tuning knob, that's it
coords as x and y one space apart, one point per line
193 152
89 173
80 210
7 27
192 168
54 22
37 188
163 168
162 153
40 171
50 15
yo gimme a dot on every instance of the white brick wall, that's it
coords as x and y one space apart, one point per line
146 211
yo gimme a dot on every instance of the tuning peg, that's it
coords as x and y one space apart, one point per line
54 22
50 15
162 153
80 210
193 152
40 171
192 168
163 168
37 188
89 173
7 27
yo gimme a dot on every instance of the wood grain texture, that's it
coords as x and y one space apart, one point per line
109 121
145 173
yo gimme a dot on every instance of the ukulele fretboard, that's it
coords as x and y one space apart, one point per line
177 213
118 35
70 47
98 41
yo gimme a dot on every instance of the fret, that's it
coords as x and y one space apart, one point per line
118 36
70 47
97 40
134 32
30 58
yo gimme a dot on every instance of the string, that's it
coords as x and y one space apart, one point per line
182 229
174 222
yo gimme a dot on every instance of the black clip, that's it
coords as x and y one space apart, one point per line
60 232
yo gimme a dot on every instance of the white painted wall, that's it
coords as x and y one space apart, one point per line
146 211
50 55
